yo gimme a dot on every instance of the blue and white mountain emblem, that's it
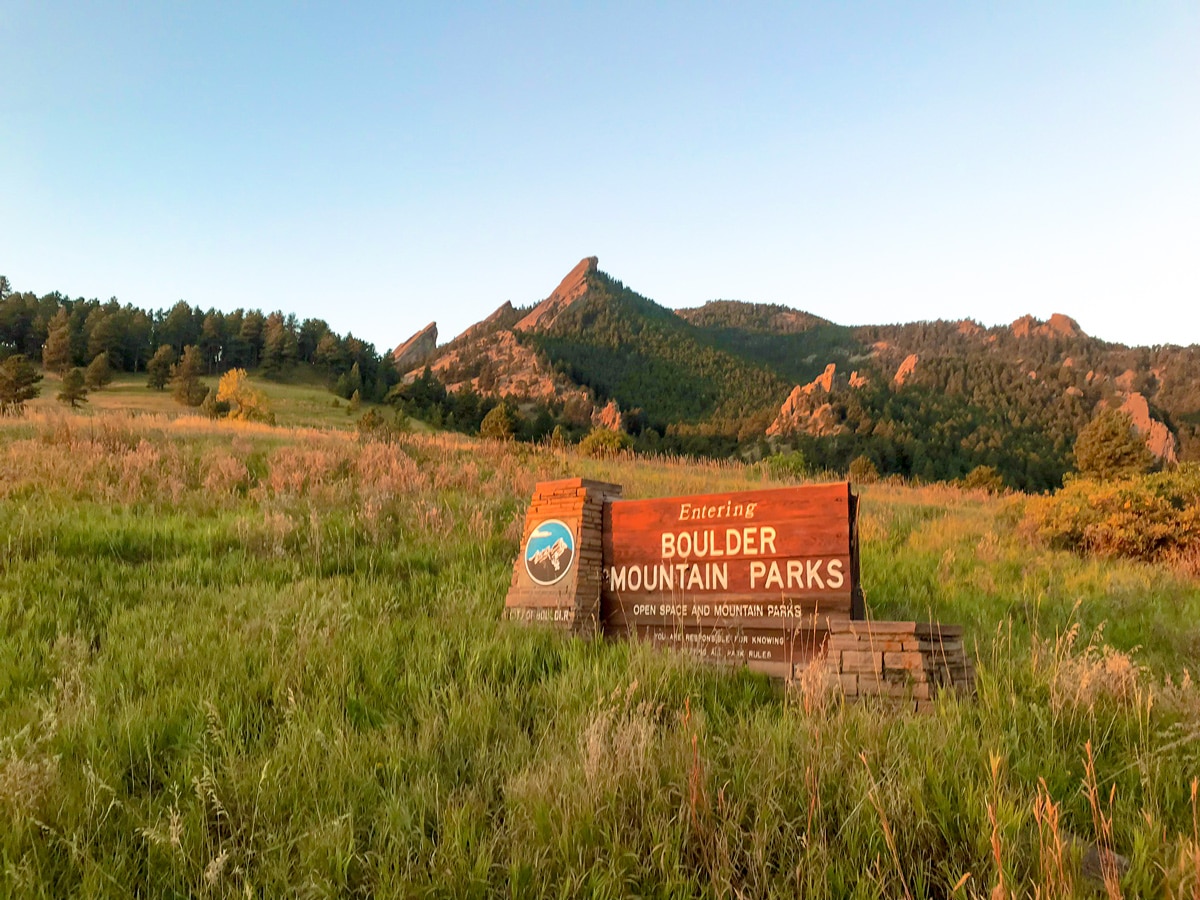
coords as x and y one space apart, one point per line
549 552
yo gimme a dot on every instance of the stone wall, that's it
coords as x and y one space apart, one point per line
908 662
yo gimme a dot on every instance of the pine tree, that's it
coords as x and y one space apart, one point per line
498 423
1109 447
73 390
56 353
99 373
18 384
186 387
159 367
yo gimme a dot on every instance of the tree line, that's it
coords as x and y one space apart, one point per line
65 333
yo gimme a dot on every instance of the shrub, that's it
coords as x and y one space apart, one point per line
984 478
243 401
791 466
602 442
212 407
862 470
1149 517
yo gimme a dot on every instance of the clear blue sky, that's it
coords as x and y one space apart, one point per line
381 165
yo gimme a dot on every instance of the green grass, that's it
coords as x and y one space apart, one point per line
301 402
239 661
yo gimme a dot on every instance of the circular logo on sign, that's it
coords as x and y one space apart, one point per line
549 552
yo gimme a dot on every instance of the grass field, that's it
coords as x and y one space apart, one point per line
303 402
247 661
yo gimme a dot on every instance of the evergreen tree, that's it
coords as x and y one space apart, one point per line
56 354
18 384
159 367
186 387
498 424
73 390
1109 447
99 373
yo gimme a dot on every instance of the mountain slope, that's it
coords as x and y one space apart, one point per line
926 399
643 355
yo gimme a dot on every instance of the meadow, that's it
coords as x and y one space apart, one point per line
239 660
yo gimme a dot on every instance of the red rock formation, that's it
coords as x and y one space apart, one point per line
1064 326
483 326
608 417
858 381
802 411
417 349
1023 327
968 328
906 369
1158 437
824 380
568 291
1058 326
511 369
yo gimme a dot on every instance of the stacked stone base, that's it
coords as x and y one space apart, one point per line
905 662
572 604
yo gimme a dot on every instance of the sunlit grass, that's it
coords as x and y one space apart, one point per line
237 659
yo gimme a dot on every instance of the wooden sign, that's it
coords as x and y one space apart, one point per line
766 579
753 576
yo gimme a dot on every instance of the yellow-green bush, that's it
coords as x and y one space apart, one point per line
1147 517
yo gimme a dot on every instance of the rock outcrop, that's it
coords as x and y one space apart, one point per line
858 381
568 291
1058 325
905 370
1125 380
501 318
808 410
416 351
498 365
824 381
608 416
488 358
969 328
1158 436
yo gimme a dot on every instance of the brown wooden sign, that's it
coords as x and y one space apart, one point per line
767 579
756 577
753 576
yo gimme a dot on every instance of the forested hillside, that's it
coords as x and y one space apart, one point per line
64 333
930 400
630 349
927 400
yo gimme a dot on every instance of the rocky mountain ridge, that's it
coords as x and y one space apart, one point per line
601 349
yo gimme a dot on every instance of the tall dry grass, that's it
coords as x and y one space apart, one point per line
242 660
